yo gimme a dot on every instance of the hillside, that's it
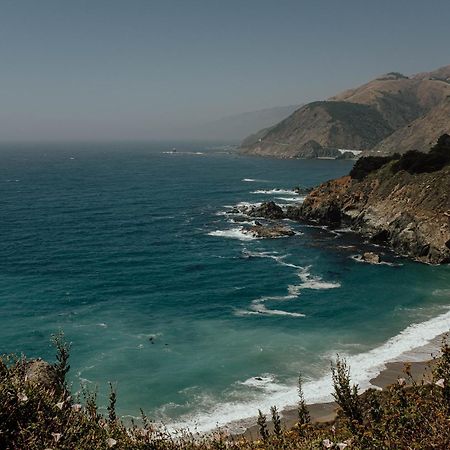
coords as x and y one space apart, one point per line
420 134
365 118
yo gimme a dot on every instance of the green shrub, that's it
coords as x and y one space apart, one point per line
418 162
365 165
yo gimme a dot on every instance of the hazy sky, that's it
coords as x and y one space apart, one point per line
144 69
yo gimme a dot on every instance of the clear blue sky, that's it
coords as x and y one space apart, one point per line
143 69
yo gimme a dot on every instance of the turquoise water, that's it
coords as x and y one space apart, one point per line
131 252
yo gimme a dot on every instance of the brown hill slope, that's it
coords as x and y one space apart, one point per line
362 118
419 134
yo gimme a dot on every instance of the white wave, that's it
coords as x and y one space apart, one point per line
233 233
242 222
271 255
344 230
442 292
264 382
315 282
253 180
274 191
174 152
291 199
258 307
364 366
263 311
248 204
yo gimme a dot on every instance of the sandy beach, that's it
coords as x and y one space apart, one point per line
326 412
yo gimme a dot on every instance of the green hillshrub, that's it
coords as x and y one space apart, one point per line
364 166
418 162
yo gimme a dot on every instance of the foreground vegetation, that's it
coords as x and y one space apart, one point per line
37 411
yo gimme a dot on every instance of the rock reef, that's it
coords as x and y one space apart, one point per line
402 202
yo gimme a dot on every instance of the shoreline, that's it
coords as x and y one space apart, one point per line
419 360
383 365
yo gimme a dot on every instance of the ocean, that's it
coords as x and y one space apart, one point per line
131 250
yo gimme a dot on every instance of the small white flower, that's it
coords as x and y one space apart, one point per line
401 381
440 383
342 445
22 397
76 407
60 405
111 442
56 436
327 443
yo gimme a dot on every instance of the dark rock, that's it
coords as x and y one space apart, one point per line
268 210
262 231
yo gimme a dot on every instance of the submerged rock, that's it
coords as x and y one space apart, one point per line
371 257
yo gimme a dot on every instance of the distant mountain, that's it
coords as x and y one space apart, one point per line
236 127
388 114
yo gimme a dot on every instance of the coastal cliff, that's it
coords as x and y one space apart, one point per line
402 202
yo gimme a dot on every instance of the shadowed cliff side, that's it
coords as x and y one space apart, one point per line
403 202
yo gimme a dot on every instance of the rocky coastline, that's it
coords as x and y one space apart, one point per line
400 202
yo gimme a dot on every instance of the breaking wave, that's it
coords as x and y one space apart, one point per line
237 415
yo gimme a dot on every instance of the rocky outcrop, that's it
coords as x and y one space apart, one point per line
42 374
410 212
371 258
266 231
268 210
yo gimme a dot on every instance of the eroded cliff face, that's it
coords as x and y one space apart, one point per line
408 212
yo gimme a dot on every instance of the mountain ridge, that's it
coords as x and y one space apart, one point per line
379 116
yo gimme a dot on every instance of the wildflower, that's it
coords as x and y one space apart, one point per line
76 407
341 445
327 443
401 381
60 405
111 442
440 383
56 436
333 430
22 397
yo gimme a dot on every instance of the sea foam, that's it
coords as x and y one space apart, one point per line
233 233
235 416
274 191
